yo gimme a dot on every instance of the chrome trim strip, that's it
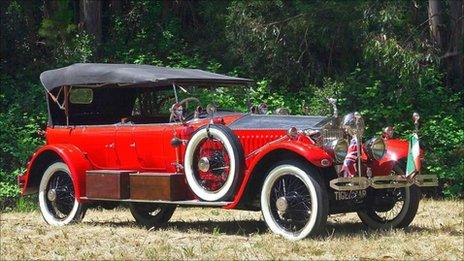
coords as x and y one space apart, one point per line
354 183
382 182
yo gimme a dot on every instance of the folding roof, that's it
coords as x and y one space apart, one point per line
100 74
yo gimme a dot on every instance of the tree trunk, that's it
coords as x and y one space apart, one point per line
166 9
49 8
454 54
90 18
115 6
436 23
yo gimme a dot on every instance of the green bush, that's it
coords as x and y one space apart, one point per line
370 55
21 116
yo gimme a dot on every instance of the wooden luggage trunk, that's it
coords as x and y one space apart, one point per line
157 186
107 184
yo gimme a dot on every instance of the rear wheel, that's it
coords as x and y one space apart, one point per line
392 208
151 215
57 200
293 201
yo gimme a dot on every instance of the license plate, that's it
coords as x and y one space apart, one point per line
348 195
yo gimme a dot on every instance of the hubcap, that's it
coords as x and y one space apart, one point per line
213 164
282 204
51 195
203 164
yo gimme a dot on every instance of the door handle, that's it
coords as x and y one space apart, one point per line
110 146
132 145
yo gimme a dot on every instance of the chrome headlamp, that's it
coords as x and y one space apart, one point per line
353 124
337 147
375 148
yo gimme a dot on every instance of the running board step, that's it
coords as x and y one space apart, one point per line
193 202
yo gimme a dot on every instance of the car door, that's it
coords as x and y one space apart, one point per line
98 142
149 146
126 147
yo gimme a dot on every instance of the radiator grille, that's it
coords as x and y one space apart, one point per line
331 134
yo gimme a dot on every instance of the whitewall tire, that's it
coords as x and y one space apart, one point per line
293 201
57 200
213 163
392 208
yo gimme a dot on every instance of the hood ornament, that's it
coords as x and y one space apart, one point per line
333 102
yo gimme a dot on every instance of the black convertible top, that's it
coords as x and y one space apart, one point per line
100 74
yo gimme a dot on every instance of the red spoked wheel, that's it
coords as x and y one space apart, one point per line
213 162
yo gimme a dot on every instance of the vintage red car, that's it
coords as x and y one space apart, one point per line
113 136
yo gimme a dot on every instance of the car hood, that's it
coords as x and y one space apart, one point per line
278 122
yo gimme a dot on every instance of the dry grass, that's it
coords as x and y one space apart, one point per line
436 233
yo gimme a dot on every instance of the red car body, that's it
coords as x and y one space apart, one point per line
147 148
108 142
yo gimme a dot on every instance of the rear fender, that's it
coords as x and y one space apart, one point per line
69 154
313 154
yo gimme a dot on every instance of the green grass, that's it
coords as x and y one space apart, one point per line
196 233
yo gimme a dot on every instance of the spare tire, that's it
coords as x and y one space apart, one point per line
214 163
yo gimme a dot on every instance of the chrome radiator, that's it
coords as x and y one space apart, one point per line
331 134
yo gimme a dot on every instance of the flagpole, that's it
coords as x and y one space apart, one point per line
357 115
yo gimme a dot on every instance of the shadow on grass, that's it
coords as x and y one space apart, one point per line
253 227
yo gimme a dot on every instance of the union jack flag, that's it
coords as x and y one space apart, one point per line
349 164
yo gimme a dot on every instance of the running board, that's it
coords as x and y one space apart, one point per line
383 182
193 202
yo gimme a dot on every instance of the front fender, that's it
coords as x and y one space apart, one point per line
397 149
310 152
314 154
69 154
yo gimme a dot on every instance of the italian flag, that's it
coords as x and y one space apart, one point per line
413 165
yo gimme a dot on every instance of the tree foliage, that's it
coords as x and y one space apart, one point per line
375 57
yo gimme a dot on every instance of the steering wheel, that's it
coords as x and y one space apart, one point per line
179 109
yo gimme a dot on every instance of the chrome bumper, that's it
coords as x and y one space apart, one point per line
382 182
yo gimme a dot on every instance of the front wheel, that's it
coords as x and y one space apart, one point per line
57 199
151 215
293 201
394 208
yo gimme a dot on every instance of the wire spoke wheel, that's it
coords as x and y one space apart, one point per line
60 195
293 202
151 215
391 208
57 200
398 196
290 203
214 162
